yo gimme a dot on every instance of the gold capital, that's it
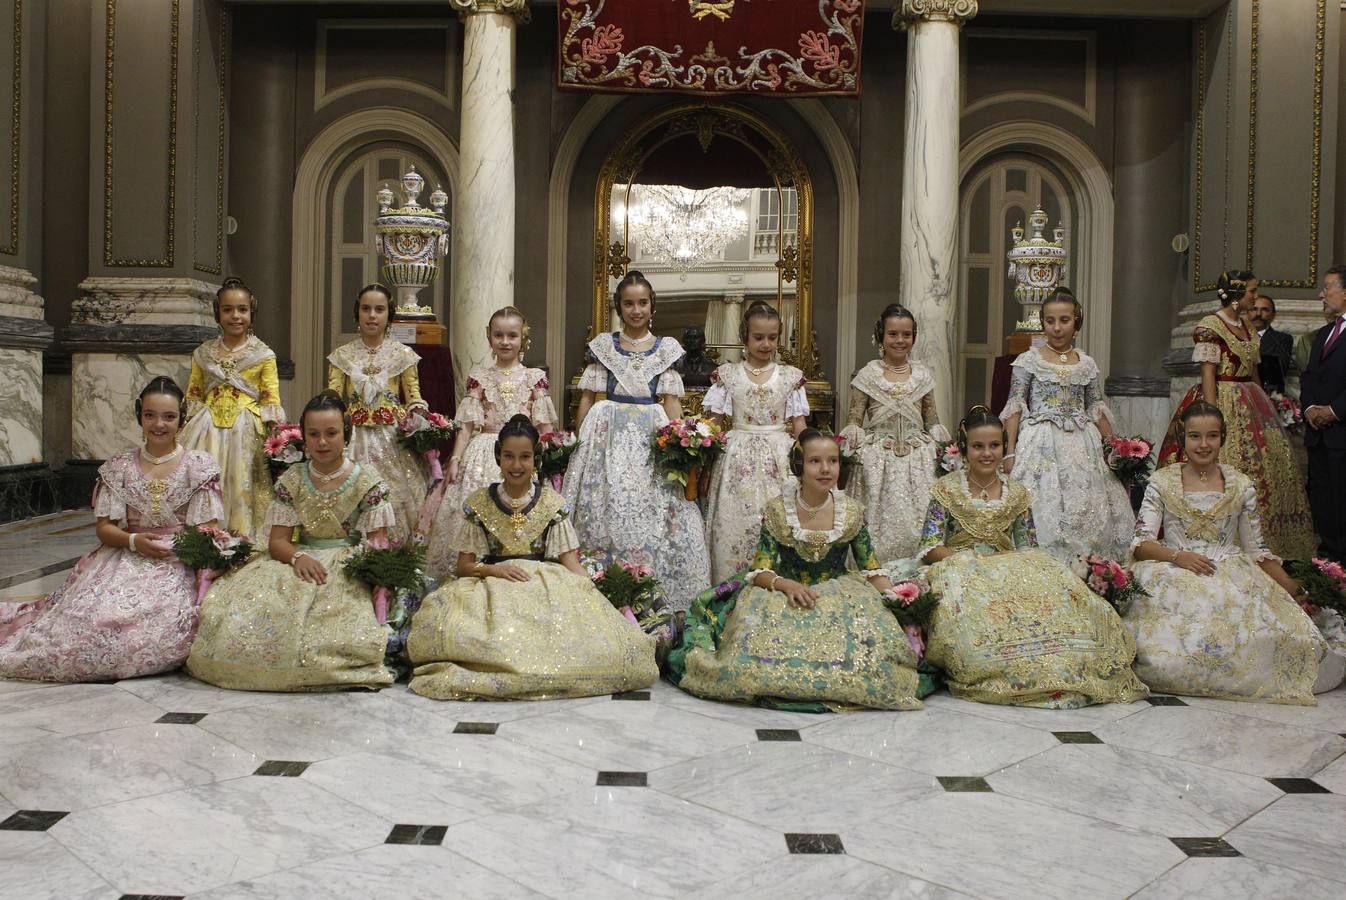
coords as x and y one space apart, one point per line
516 8
958 11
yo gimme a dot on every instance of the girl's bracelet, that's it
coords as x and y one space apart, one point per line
772 585
131 541
294 559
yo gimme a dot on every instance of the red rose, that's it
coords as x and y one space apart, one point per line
384 416
360 417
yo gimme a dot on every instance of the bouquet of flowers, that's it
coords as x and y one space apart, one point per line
912 602
1287 410
211 552
1325 581
388 568
948 458
557 446
424 433
1108 579
633 591
1129 458
283 448
685 446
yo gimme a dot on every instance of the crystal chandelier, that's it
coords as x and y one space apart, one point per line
682 227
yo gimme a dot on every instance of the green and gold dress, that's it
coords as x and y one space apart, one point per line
552 636
1014 625
746 643
263 628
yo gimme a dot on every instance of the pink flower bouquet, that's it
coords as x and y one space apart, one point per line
1107 579
1325 581
211 552
557 448
1287 410
425 433
948 458
685 446
283 447
1129 458
633 591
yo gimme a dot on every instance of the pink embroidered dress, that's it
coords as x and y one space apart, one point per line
119 614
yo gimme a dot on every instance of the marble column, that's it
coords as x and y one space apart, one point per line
23 337
483 223
929 236
723 316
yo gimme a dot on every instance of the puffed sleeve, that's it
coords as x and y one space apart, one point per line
282 511
336 380
1149 522
543 411
1207 346
1023 532
866 560
206 504
471 410
595 378
768 555
561 536
375 510
718 401
936 530
930 418
1021 383
410 383
108 502
1095 404
269 393
471 536
797 403
196 391
670 384
1249 535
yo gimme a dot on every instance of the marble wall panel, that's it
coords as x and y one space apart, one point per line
105 388
20 406
1146 417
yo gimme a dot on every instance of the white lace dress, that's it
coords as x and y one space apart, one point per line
756 461
621 507
1079 506
1235 634
896 427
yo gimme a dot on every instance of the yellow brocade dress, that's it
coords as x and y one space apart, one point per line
1015 626
552 636
231 396
379 387
263 628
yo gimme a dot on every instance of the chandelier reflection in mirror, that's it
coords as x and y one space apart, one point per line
682 227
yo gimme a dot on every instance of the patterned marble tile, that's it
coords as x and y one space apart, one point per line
204 837
1333 776
484 710
934 741
35 865
1238 743
1220 879
180 691
824 876
1304 832
1085 719
1328 715
1151 793
76 709
989 845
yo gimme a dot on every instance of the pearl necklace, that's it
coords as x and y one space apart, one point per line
811 510
985 488
1063 355
160 460
323 478
758 373
903 369
637 342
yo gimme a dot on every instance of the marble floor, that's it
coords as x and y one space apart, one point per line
166 787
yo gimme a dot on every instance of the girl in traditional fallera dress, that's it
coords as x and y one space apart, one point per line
376 377
1228 349
495 394
1013 625
129 607
1221 618
802 632
894 424
1057 419
294 620
621 506
766 405
233 398
522 621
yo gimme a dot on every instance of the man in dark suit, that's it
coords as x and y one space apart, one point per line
1323 397
1278 347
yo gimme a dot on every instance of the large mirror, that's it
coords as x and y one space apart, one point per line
715 207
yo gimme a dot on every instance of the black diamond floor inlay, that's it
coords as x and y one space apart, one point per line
622 779
632 695
423 835
1205 846
282 768
1299 785
777 734
32 820
961 784
1077 737
151 897
1165 700
475 728
179 718
814 843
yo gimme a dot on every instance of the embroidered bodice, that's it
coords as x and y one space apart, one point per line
378 386
226 382
897 415
757 407
811 557
494 396
360 505
1068 396
189 495
1217 524
1217 343
494 531
960 521
628 377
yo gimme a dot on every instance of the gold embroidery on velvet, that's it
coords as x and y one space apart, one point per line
990 525
513 540
814 546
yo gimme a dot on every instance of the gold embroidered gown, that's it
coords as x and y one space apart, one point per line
1256 444
1014 625
1235 634
896 427
263 628
379 387
746 643
232 396
552 636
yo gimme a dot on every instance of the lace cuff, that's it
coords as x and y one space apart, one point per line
206 504
670 385
853 435
470 411
194 408
797 404
471 539
378 516
749 580
282 514
272 412
1206 352
718 400
941 434
543 411
595 378
561 539
1098 412
1013 407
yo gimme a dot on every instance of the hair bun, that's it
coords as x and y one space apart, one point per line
519 419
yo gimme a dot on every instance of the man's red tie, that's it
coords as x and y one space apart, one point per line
1332 338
